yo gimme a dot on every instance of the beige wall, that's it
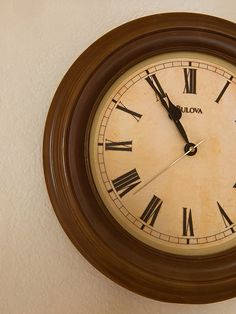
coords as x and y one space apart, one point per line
40 270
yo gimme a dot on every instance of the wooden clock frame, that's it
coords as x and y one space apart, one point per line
82 214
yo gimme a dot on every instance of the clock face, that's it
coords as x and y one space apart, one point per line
162 153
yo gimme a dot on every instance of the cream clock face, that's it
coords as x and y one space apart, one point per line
162 153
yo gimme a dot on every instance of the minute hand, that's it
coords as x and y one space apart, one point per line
173 111
175 115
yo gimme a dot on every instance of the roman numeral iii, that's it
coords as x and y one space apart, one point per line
151 211
126 182
187 222
121 146
190 78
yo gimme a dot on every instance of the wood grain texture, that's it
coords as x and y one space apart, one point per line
75 200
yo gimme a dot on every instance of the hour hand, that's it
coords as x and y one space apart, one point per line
176 114
173 111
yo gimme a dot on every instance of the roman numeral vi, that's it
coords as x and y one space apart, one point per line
187 223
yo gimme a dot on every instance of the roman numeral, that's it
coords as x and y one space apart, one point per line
137 116
224 89
121 146
155 85
151 211
126 182
190 78
225 217
187 223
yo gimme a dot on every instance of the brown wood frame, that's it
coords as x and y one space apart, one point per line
83 216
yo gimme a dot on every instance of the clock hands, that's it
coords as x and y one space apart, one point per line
175 115
174 112
192 149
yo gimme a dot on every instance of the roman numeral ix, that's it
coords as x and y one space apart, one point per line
126 182
151 211
120 146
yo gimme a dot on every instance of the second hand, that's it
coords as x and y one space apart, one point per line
170 165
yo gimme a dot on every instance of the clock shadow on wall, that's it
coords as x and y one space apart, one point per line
135 141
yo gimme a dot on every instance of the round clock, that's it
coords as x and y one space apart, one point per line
139 156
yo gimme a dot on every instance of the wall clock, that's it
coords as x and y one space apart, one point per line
139 156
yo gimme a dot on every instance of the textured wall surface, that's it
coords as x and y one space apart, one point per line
40 270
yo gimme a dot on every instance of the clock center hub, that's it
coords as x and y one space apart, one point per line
191 149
